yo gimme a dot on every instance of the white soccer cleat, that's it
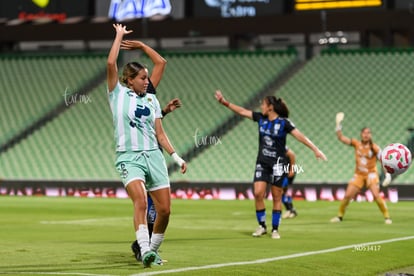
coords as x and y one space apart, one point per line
287 214
293 214
259 231
275 234
290 214
336 219
388 221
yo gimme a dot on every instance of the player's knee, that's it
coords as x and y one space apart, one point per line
258 196
140 204
277 198
164 211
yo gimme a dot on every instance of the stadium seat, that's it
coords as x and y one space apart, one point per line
371 87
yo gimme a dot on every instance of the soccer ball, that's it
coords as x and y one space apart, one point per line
396 158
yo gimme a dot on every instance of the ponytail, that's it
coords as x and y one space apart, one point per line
279 106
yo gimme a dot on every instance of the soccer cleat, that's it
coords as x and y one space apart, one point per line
148 258
275 234
388 221
336 219
137 251
290 214
158 261
293 214
259 231
287 214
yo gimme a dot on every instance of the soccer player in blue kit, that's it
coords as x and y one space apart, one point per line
271 158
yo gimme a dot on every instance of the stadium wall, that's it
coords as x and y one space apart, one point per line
195 191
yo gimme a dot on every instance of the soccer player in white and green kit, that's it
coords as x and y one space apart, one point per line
138 134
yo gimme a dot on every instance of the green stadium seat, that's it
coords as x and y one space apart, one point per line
371 87
34 85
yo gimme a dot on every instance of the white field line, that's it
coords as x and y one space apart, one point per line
91 221
51 273
260 261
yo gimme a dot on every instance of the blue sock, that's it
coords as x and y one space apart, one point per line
285 198
276 219
261 217
151 215
285 201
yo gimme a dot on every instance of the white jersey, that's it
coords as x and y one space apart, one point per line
134 119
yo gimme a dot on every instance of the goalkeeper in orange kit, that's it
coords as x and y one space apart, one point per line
367 153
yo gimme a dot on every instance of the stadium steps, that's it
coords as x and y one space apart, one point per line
79 143
229 152
372 88
195 77
27 105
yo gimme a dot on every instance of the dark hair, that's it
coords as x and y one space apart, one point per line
370 142
279 106
364 128
131 70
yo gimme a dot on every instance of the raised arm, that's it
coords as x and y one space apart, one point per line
158 61
338 120
342 137
171 106
307 142
235 108
111 66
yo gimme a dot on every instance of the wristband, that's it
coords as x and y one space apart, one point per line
177 159
224 102
338 127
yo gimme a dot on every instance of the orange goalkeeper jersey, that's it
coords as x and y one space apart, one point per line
365 157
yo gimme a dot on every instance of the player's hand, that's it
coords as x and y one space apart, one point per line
180 162
339 118
387 180
120 29
131 44
172 105
183 168
220 98
320 155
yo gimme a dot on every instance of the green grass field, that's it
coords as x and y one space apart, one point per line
82 236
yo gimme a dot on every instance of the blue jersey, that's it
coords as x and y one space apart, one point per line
272 138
